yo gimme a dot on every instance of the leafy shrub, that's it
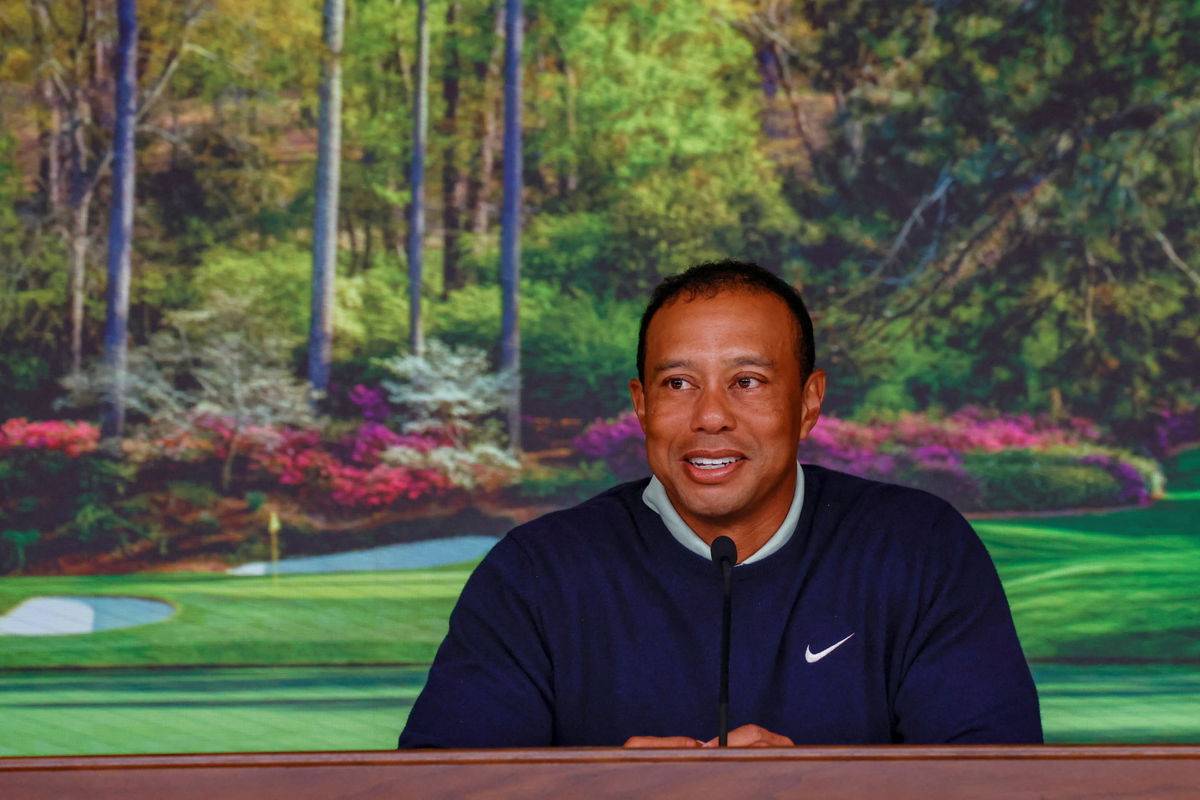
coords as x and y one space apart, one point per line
566 485
55 484
343 474
619 443
71 438
977 460
1176 427
577 352
26 378
371 308
449 398
1023 480
448 389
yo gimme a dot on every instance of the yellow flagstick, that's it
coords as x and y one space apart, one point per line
273 527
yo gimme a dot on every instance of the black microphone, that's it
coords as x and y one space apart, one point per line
724 555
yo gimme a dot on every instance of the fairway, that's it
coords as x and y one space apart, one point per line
1107 606
205 710
340 618
1119 704
1118 588
364 708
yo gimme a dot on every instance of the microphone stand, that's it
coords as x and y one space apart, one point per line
724 554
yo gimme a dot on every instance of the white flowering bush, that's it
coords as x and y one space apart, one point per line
450 393
478 466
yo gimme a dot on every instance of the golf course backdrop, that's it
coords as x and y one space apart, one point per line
303 305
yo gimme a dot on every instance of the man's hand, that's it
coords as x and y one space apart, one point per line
745 736
662 741
753 736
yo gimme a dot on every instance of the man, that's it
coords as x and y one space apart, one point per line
862 612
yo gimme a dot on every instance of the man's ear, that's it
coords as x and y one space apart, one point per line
811 397
639 401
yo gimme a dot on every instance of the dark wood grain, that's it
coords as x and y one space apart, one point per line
1081 771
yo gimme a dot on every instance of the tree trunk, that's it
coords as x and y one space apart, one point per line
325 216
81 201
51 135
510 219
416 227
481 196
454 184
120 228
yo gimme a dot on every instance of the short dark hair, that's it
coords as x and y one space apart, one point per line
712 277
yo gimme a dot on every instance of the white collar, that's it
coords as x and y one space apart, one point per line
655 496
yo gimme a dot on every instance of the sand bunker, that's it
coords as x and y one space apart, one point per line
65 614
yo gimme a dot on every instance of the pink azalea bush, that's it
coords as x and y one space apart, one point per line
618 442
1175 428
954 456
53 476
72 438
346 473
350 472
372 403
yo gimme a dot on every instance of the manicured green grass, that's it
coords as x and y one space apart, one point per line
347 618
364 708
1119 703
1108 607
1118 587
205 710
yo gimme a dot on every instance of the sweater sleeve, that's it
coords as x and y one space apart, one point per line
965 679
490 683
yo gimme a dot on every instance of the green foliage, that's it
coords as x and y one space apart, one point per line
1009 183
218 189
987 203
13 546
255 500
656 151
371 313
577 351
1025 480
65 500
564 485
1185 471
33 322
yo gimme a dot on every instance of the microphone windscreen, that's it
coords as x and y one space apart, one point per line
724 548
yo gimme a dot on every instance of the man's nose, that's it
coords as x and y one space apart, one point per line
712 412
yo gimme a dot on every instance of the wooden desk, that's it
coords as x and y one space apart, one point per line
827 773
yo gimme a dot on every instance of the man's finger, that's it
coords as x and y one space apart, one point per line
754 736
662 741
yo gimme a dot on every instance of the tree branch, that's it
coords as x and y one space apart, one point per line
1174 258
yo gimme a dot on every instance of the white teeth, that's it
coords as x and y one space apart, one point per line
711 463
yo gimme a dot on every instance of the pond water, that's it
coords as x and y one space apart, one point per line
407 555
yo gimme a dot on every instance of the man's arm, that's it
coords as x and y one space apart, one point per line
490 683
965 679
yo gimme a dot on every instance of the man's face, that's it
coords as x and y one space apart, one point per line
723 409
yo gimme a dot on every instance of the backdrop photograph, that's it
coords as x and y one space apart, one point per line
305 304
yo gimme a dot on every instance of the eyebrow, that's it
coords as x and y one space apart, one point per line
736 361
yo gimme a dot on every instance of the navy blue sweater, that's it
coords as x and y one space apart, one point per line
591 625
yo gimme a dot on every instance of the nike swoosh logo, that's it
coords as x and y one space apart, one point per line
813 658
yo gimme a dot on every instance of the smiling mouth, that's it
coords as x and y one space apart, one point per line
712 463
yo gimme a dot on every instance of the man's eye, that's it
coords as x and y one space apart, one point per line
748 383
677 383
